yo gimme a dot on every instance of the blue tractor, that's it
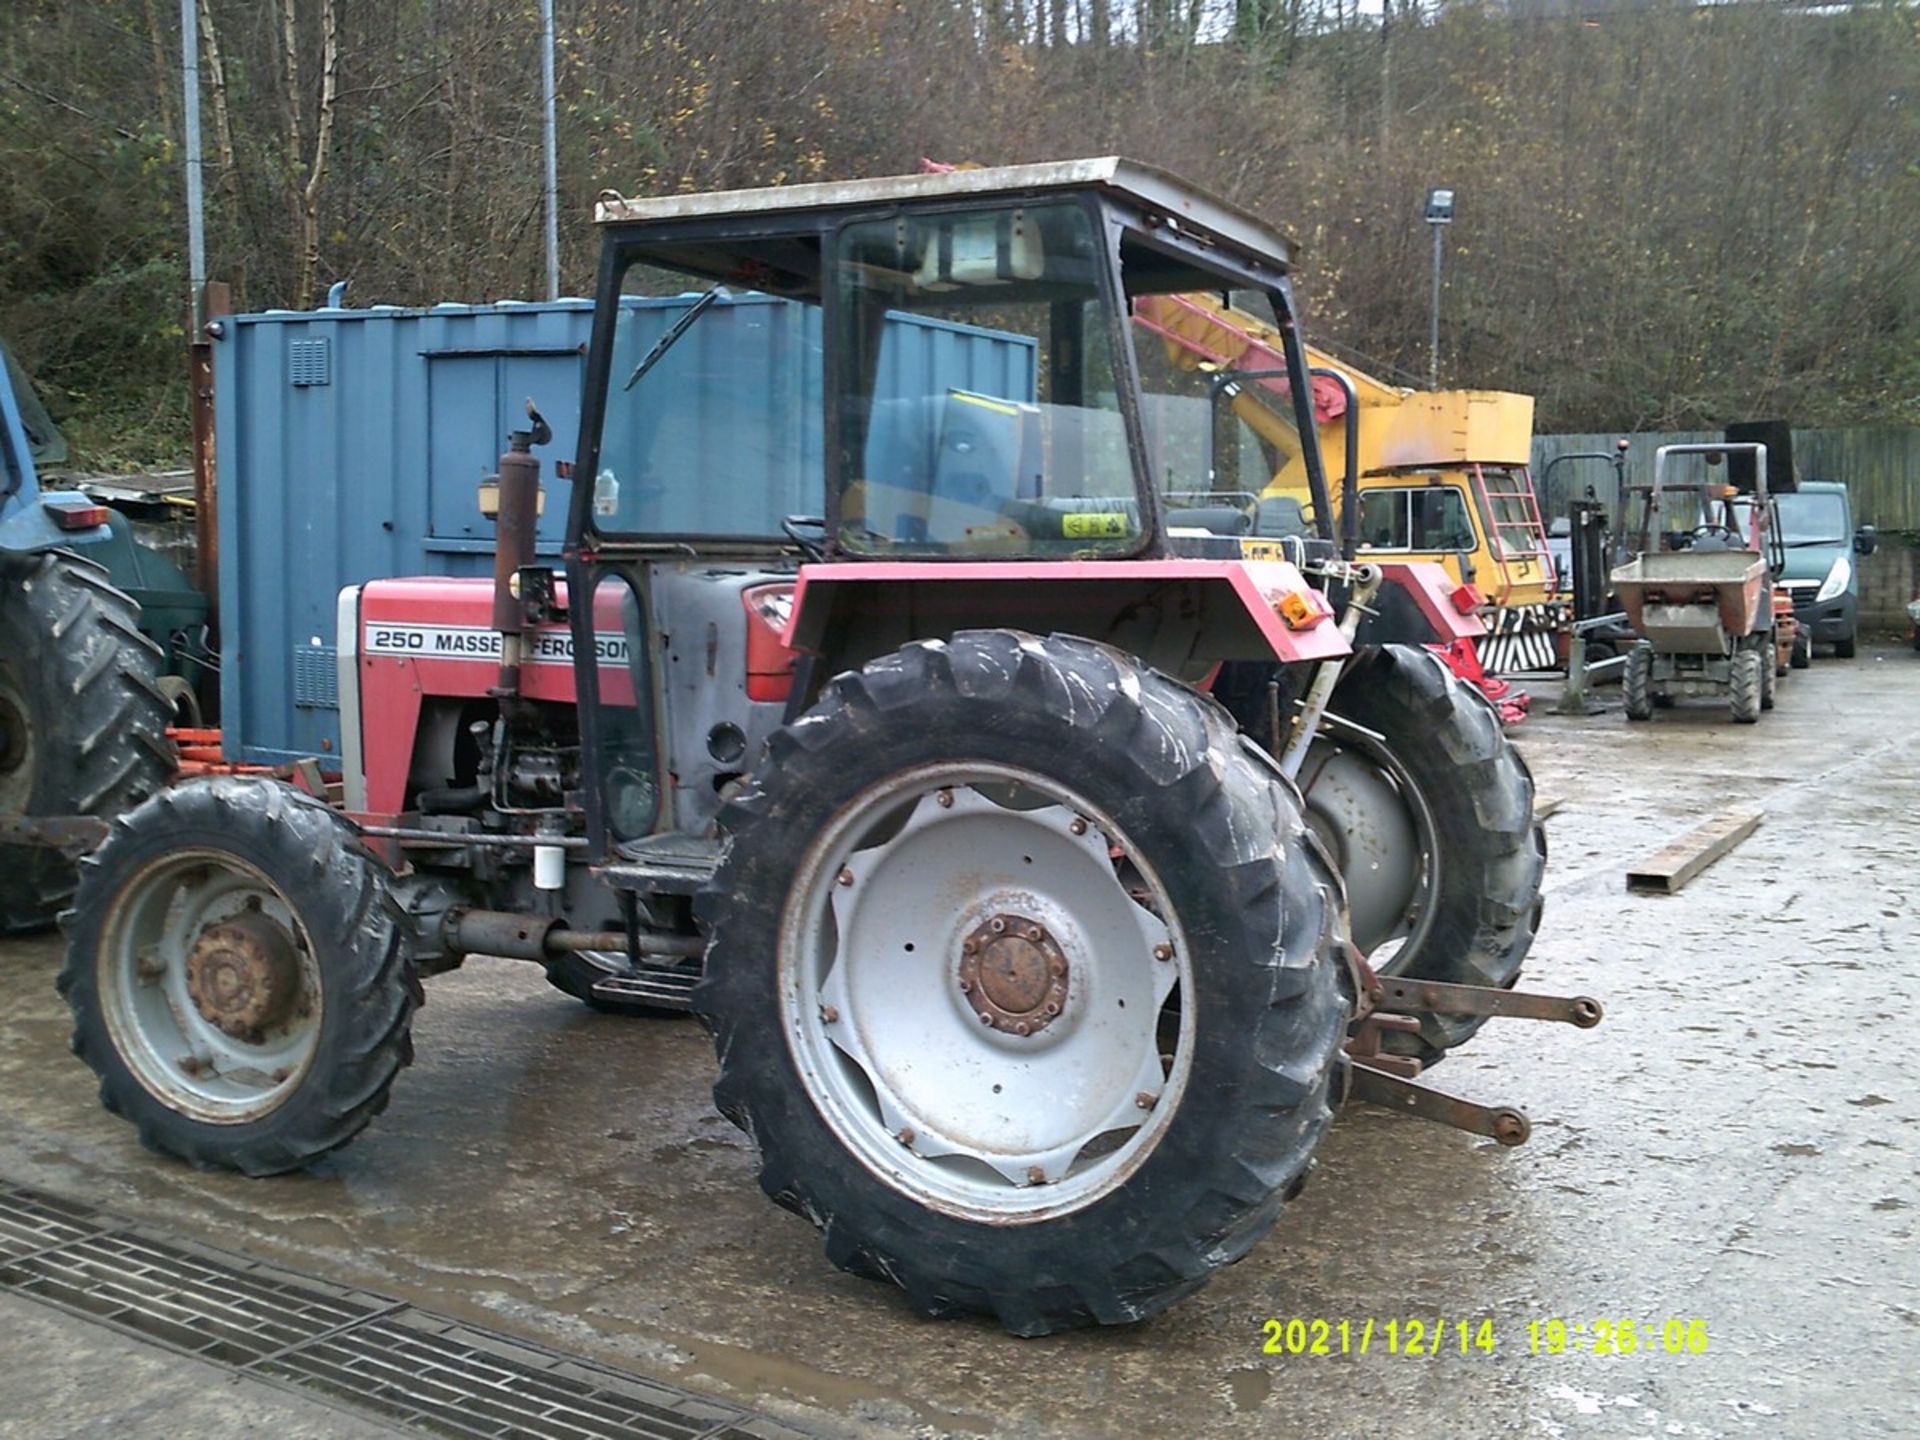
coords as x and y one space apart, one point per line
83 715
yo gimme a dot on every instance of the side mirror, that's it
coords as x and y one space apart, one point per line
1865 541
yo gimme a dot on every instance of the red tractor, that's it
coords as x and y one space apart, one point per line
1046 865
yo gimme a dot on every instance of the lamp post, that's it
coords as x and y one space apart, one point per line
552 167
1439 214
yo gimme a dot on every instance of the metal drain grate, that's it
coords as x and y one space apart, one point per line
365 1351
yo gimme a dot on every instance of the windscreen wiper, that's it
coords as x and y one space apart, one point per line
667 341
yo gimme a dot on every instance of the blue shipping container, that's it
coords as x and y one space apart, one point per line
351 445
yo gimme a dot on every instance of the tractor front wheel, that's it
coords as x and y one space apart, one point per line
1636 683
1744 684
239 976
1431 827
1023 977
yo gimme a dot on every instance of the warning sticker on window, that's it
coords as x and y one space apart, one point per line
1096 525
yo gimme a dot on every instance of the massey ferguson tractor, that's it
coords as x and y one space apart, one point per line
1046 866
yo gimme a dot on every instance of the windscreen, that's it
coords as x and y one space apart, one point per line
980 409
1808 517
712 423
1429 517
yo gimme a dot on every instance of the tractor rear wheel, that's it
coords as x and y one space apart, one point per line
1023 973
1431 827
1743 686
83 721
1636 682
239 976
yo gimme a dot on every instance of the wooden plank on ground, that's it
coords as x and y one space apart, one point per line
1545 805
1667 869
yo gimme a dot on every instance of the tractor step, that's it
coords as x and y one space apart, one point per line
664 865
665 987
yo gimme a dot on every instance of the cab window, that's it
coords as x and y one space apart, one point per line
1425 517
980 413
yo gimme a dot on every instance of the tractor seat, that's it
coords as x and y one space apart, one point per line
1216 519
1279 518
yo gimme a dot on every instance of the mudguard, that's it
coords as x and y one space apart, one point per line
1181 616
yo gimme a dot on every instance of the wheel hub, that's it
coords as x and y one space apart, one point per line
243 974
1014 974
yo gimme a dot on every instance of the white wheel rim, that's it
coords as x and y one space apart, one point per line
967 1117
174 1049
1366 808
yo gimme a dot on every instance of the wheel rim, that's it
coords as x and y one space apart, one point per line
981 994
17 750
1366 809
210 987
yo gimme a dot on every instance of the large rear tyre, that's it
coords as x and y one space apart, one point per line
1023 977
1636 682
239 976
83 721
1433 831
1743 686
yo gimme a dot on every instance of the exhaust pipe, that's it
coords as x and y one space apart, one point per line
518 513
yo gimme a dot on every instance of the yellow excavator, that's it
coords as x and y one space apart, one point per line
1440 475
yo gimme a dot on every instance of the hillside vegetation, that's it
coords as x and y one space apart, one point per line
1668 215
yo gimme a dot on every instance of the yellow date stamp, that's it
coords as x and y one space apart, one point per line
1480 1335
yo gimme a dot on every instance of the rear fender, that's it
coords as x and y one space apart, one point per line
1181 616
1421 604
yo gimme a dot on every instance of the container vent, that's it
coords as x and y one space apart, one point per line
316 677
310 362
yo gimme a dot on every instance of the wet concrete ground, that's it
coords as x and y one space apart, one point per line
1738 1145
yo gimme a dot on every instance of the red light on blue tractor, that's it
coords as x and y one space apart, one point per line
76 514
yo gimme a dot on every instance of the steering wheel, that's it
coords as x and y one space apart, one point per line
1720 536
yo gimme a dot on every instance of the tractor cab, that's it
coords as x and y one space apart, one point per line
976 423
980 396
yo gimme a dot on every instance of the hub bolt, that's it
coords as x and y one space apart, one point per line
905 1137
1145 1101
829 1013
1163 952
1036 1176
846 877
944 799
1079 826
998 925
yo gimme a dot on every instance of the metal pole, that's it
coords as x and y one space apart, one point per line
1433 325
553 164
196 212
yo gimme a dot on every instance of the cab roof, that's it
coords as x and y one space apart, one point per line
1160 197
